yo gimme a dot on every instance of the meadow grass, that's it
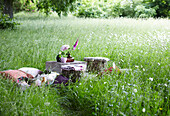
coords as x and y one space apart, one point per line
139 44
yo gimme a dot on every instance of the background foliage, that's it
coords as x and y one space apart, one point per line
162 7
122 8
58 6
6 22
45 6
141 45
97 8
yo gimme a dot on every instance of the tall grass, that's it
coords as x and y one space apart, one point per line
139 44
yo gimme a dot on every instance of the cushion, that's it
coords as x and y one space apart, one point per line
15 75
33 71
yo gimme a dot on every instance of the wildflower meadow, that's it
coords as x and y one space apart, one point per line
141 45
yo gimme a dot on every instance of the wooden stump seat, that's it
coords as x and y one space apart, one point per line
96 64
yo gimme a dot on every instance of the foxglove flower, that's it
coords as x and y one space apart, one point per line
75 45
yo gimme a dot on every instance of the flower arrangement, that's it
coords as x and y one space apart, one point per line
66 51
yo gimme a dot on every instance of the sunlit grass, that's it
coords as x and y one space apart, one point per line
139 44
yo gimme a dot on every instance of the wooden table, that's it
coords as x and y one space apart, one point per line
55 66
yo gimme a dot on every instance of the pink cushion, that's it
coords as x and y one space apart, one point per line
15 74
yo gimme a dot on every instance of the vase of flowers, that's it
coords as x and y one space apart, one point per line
63 59
66 53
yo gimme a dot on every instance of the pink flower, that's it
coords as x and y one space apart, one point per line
65 47
75 45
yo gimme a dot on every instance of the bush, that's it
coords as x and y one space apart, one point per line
125 8
128 8
105 9
18 6
116 10
98 9
25 5
6 22
61 7
162 7
142 12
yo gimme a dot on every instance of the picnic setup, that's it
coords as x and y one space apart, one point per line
62 71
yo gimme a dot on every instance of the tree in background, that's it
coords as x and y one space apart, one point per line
7 7
122 8
162 7
90 8
58 6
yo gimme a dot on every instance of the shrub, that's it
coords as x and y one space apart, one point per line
116 10
162 7
142 12
61 7
104 9
6 22
30 6
125 8
18 6
24 5
98 9
128 8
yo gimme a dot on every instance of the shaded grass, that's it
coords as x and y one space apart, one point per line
142 45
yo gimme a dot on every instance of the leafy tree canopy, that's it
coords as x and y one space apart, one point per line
58 6
162 7
45 6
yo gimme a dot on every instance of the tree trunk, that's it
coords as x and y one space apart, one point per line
8 8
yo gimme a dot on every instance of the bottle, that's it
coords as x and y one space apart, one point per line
58 58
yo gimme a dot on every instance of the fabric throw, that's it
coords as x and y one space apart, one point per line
61 79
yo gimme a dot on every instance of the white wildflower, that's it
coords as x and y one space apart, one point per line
143 110
114 65
136 66
105 82
165 84
47 103
135 90
91 86
123 87
151 79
